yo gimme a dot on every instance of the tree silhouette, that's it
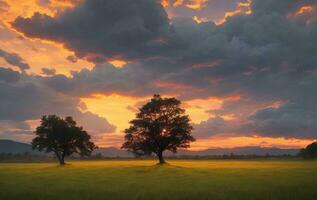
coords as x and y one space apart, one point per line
160 125
62 137
310 151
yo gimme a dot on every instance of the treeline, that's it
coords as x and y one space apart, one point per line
189 157
234 156
27 157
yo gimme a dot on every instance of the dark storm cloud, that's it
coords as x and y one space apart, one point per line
106 79
295 119
214 126
48 72
72 59
99 29
14 59
46 3
15 130
211 10
265 57
8 75
25 97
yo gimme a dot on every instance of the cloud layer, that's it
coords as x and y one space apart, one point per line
99 30
14 59
25 97
267 58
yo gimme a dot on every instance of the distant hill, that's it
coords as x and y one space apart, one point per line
113 152
259 151
8 146
252 150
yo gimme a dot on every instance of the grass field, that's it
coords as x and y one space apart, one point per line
192 180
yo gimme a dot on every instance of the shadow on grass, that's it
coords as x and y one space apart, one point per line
156 168
58 166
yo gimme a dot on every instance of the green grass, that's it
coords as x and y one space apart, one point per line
192 180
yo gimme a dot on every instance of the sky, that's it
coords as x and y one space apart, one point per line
245 70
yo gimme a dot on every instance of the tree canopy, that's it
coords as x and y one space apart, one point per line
310 151
62 137
160 125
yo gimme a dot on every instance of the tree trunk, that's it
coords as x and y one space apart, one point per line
60 158
63 158
62 161
160 157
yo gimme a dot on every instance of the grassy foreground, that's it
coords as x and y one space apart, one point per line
192 180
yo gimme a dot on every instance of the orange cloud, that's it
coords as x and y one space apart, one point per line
196 4
115 140
243 9
305 14
247 6
65 3
118 63
304 9
165 3
211 64
38 53
28 8
199 20
110 140
230 142
192 4
113 107
176 86
178 3
197 109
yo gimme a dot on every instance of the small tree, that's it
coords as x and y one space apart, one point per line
62 137
310 151
160 125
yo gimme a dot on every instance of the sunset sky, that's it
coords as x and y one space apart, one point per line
245 70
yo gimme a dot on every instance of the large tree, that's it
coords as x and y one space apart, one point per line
160 125
62 137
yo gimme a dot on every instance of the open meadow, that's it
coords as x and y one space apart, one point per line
180 179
